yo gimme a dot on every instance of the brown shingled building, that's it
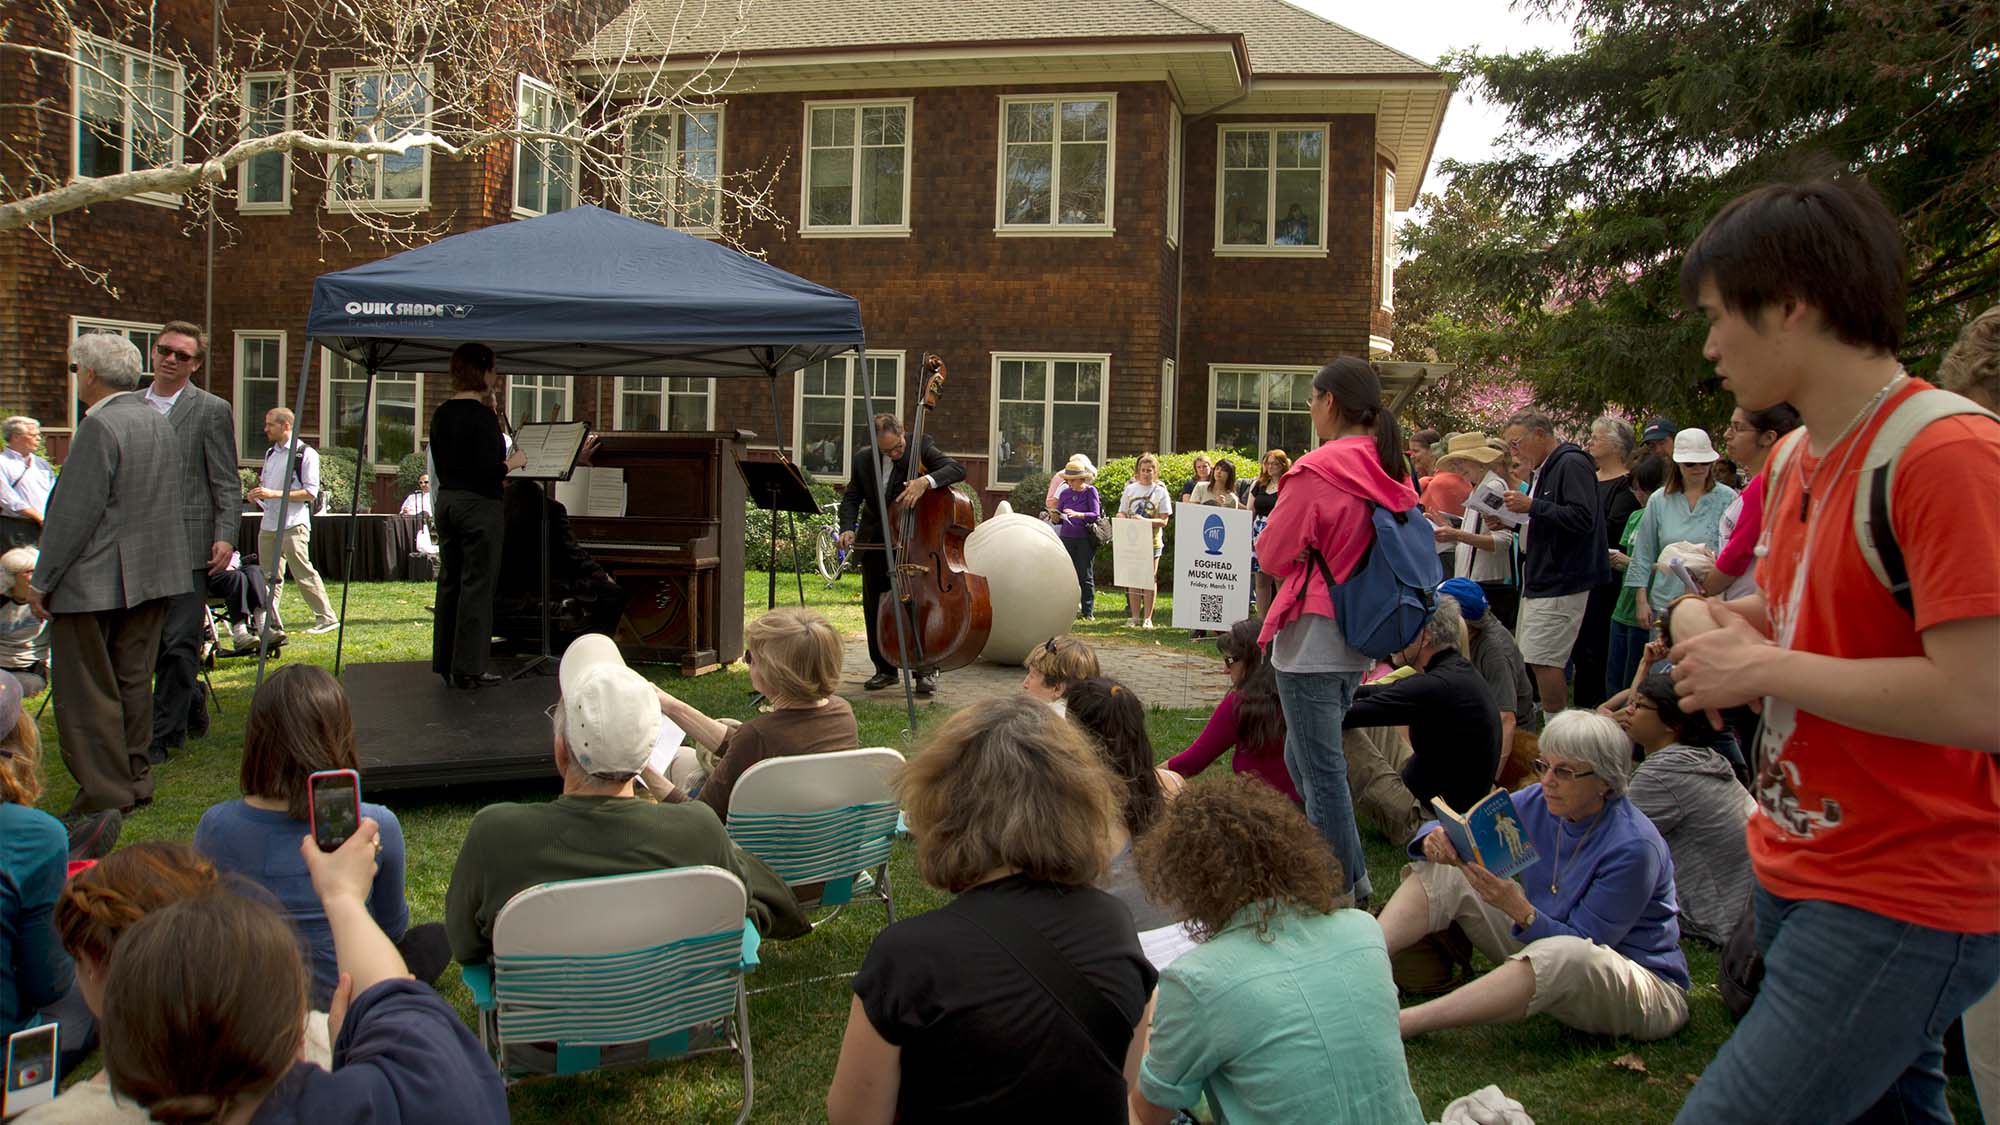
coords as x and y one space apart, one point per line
1126 224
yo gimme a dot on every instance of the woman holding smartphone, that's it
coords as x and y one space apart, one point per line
300 724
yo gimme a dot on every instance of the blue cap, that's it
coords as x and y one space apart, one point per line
1470 598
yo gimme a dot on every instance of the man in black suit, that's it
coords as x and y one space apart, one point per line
861 519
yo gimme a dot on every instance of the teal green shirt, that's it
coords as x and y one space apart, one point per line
1668 520
1297 1025
1626 612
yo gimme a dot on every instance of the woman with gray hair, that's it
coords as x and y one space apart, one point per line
1589 935
24 637
1611 445
25 482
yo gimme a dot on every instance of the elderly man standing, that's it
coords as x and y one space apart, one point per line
114 514
205 434
280 549
25 483
1563 554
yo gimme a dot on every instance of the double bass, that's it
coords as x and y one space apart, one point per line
946 608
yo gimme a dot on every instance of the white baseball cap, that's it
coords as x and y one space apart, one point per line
611 714
1692 447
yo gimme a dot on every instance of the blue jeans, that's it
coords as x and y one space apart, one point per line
1628 645
1849 1022
1083 556
1315 703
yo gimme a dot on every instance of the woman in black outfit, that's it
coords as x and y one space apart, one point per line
472 464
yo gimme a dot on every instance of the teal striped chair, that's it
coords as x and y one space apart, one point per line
824 823
656 973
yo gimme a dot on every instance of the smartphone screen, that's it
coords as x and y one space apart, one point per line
31 1069
336 807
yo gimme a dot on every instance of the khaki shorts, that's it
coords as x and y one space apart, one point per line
1578 982
1548 628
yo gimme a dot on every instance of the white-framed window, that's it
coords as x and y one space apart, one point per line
1168 379
673 174
1174 175
264 182
538 398
664 402
857 173
830 416
1270 190
380 105
544 170
142 336
260 386
1260 408
1388 239
127 106
1057 160
385 430
1046 408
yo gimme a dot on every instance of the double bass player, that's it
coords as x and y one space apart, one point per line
861 520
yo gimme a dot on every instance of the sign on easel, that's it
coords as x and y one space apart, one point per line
1211 567
1132 554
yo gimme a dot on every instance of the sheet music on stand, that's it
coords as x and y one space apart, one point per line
552 449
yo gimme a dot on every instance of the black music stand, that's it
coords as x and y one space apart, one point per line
552 457
778 486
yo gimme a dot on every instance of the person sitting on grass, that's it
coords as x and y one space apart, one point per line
1054 665
605 725
1013 813
205 1015
1691 795
24 636
1284 1010
1115 720
794 660
300 724
1498 657
1453 751
1249 718
1589 934
95 909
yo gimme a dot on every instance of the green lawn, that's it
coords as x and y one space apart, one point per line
1559 1075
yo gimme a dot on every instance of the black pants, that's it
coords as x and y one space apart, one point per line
470 531
874 587
1593 647
177 674
17 531
241 591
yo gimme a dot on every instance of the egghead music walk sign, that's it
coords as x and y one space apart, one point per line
1211 567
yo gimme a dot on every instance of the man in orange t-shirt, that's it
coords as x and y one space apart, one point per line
1876 841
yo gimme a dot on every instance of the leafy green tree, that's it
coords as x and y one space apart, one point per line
1559 259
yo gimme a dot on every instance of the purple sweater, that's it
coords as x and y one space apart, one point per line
1265 762
1086 501
1617 884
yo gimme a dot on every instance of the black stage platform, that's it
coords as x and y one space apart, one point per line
414 732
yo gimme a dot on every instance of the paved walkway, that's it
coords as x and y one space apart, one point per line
1162 677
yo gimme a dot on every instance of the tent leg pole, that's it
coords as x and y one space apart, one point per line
771 571
284 502
792 522
354 510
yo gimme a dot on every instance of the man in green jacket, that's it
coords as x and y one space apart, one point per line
605 726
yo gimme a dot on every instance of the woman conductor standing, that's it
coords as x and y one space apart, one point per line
472 463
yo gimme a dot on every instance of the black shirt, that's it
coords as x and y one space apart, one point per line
466 444
1262 500
981 1040
1615 498
1454 728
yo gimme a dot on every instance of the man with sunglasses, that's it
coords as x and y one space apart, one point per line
205 433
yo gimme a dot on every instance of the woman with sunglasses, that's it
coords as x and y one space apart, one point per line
1589 935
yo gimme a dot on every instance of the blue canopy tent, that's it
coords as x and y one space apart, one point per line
579 292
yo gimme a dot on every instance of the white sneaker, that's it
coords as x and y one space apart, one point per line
1146 624
322 627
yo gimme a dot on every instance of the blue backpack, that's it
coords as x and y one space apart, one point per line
1393 590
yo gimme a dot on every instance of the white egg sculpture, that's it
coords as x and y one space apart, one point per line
1029 576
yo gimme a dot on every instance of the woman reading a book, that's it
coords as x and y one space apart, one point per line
1589 934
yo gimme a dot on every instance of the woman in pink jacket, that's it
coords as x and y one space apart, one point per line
1323 507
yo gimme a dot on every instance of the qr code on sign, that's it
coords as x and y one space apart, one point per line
1211 608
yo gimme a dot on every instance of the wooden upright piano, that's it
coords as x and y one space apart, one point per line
678 550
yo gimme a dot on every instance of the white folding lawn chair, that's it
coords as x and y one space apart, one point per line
825 820
655 969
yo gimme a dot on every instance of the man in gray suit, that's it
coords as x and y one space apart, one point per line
210 499
114 515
